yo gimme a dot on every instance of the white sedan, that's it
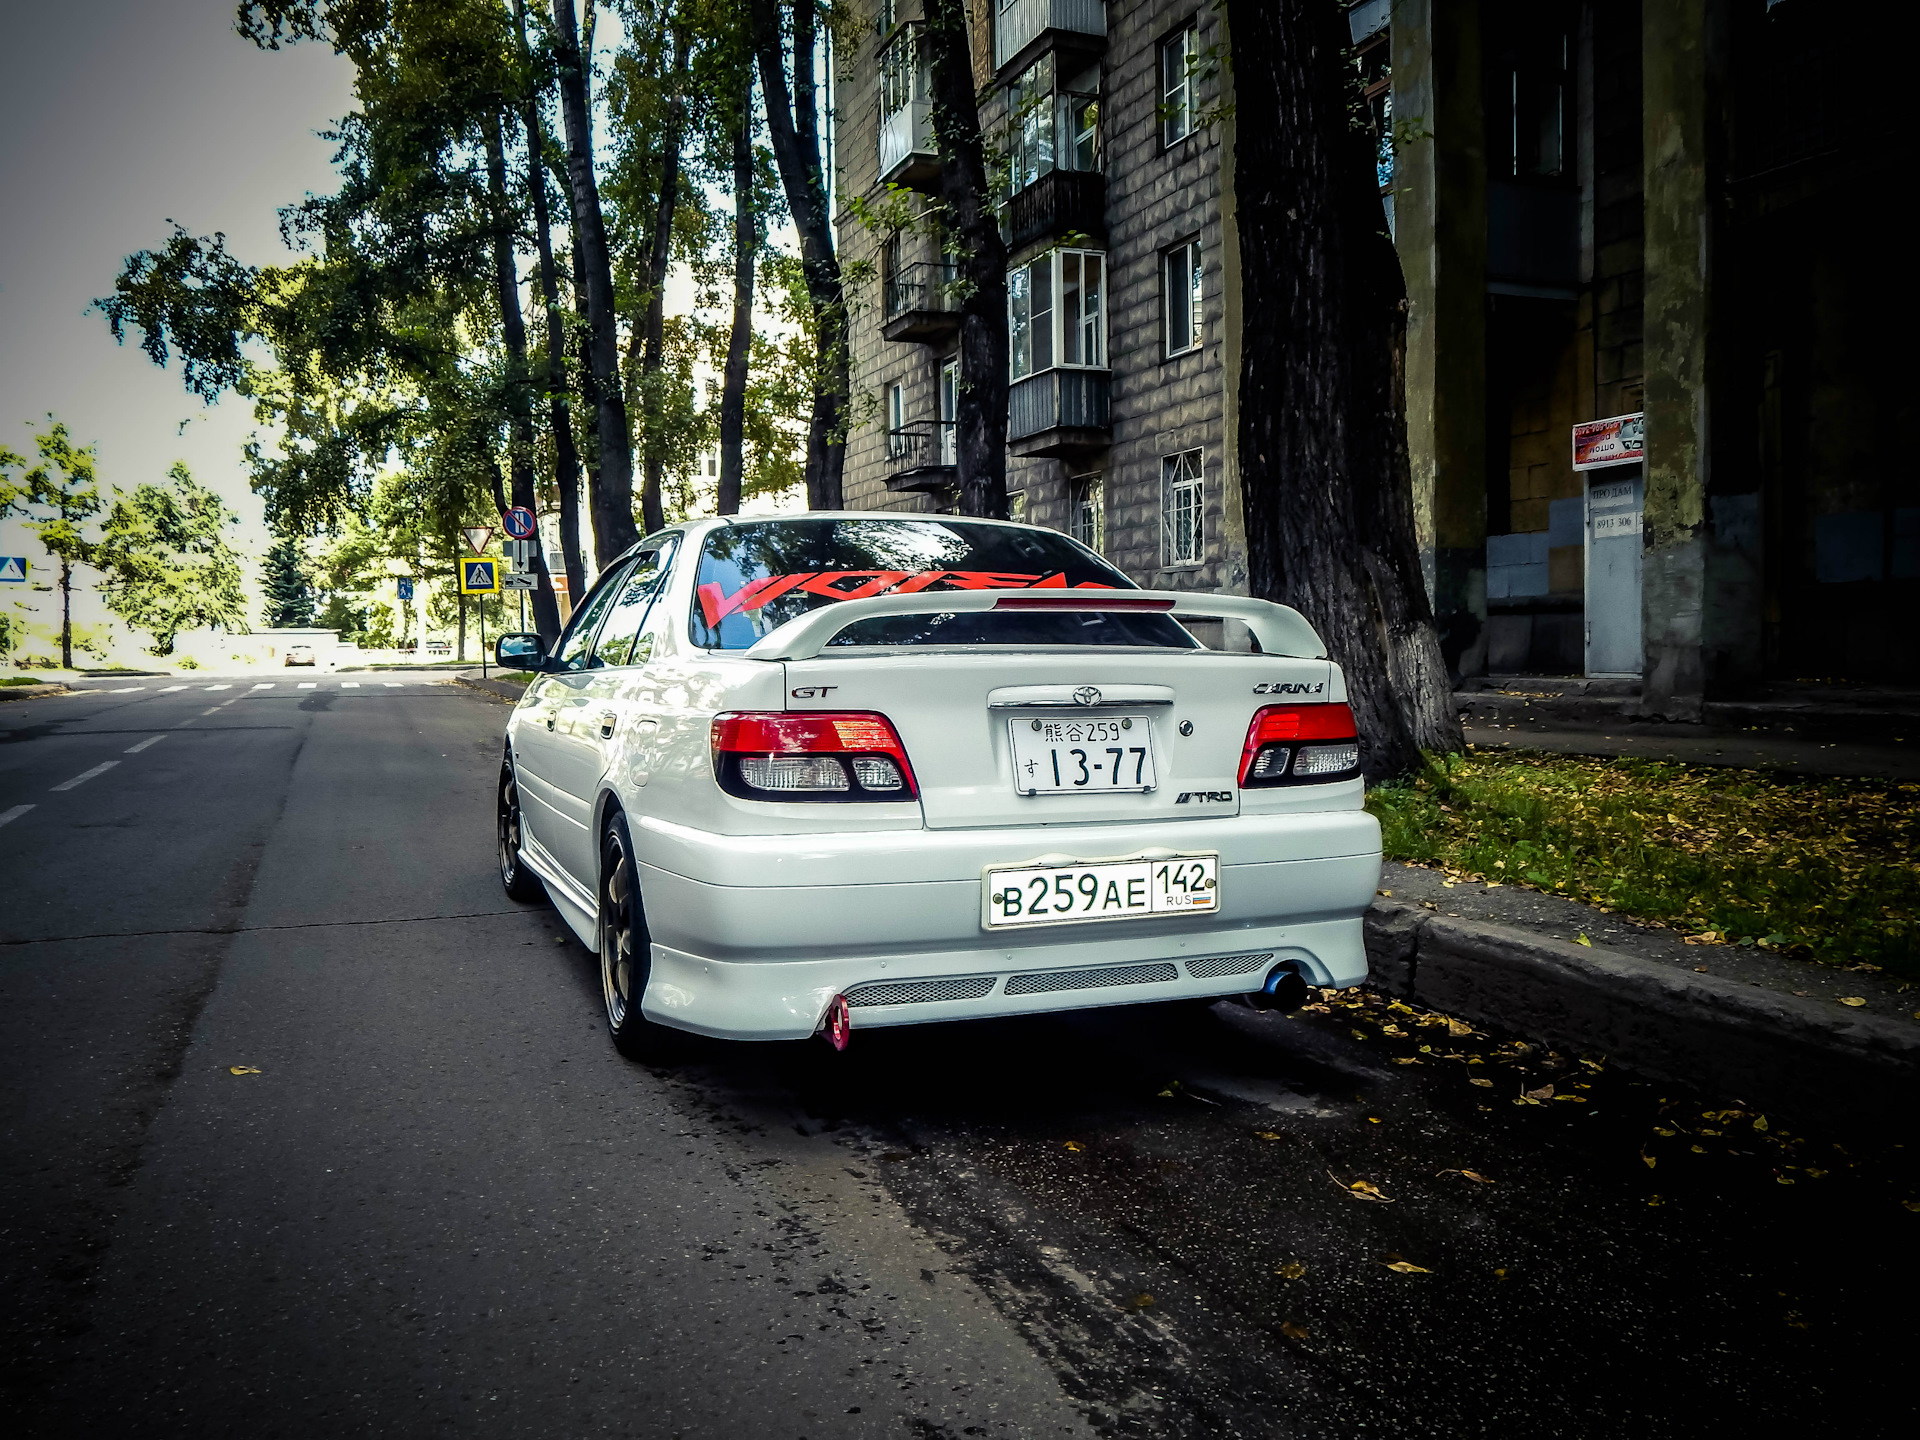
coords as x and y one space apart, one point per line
801 775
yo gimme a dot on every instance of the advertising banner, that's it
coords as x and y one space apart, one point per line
1618 441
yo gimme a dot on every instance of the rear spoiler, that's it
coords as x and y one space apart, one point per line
1279 629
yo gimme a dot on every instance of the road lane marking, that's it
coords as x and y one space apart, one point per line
210 710
126 690
150 740
349 684
86 775
264 685
393 684
169 689
219 687
13 814
308 684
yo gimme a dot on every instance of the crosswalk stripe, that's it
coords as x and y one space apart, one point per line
308 684
126 690
86 775
393 684
169 689
349 684
264 685
14 814
217 687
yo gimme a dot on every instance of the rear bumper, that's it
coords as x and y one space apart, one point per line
761 957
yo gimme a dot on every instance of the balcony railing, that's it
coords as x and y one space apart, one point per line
1060 412
1059 203
908 154
920 457
920 304
1021 22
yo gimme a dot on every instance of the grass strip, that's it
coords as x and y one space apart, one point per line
1821 868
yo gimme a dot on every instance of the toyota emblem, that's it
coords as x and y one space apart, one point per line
1087 695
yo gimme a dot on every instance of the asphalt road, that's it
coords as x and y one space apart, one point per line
438 1203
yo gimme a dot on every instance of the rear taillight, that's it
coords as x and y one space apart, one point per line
781 755
1299 744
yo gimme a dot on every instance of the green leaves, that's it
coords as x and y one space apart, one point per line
166 562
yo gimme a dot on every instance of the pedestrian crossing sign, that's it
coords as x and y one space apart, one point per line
13 569
479 577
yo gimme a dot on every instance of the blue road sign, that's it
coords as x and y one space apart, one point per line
13 569
518 522
479 577
404 588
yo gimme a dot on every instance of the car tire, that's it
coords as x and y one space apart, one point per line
519 882
626 950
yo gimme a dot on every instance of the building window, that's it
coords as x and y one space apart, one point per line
1529 77
1057 312
1180 310
1051 127
1017 505
896 421
1177 53
905 78
1182 508
1086 518
949 412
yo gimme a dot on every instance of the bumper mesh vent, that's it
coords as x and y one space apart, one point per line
1215 966
920 992
1050 980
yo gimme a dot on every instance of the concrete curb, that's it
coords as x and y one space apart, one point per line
499 689
32 692
1781 1053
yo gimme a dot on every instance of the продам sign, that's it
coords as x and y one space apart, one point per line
1619 441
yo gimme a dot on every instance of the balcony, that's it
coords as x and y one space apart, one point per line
1058 204
920 460
908 153
1062 413
1022 24
920 303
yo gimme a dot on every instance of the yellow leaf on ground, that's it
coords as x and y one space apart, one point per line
1292 1270
1293 1331
1075 1145
1476 1080
1359 1034
1407 1267
1853 1000
1648 1158
1581 939
1476 1175
1760 1124
1406 1060
243 1069
1140 1302
1458 1028
1545 1092
1360 1189
1267 1134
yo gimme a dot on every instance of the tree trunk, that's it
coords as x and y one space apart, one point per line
66 615
611 500
794 130
590 397
973 228
653 515
1325 482
746 246
506 272
566 459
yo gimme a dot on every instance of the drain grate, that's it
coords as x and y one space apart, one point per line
1215 966
920 992
1049 980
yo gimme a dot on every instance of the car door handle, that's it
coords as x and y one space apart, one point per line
608 719
549 719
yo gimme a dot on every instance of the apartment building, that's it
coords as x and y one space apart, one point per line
1122 315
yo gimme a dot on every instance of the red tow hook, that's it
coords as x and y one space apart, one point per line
836 1028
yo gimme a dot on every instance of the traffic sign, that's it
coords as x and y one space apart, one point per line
520 552
559 579
519 522
477 537
13 569
479 577
403 587
520 580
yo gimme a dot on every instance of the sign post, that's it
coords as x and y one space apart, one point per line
481 577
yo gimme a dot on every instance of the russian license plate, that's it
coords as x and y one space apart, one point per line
1113 890
1073 757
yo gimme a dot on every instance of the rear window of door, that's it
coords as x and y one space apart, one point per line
628 607
756 575
575 650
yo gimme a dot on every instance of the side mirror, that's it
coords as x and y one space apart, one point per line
521 651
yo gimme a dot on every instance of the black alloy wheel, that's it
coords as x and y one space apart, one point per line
626 950
521 883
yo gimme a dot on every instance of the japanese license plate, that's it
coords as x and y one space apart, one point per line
1112 890
1074 757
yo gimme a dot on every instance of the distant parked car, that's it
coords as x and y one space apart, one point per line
439 647
300 655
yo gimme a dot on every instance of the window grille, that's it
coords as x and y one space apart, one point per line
1182 508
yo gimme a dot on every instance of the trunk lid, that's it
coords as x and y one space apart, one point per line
954 711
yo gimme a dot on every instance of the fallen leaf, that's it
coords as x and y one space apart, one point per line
1407 1267
1545 1092
1387 893
1662 1130
1373 1119
1470 1175
1075 1145
1648 1158
1911 1204
1293 1331
1360 1189
1784 1179
1139 1302
1500 1274
1476 1080
1359 1034
1760 1124
1577 1099
1267 1134
1581 939
1853 1000
1457 1028
243 1069
1406 1060
1292 1270
1656 1200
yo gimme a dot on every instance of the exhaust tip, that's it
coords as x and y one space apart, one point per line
836 1026
1286 989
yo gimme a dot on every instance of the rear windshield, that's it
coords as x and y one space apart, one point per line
757 575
